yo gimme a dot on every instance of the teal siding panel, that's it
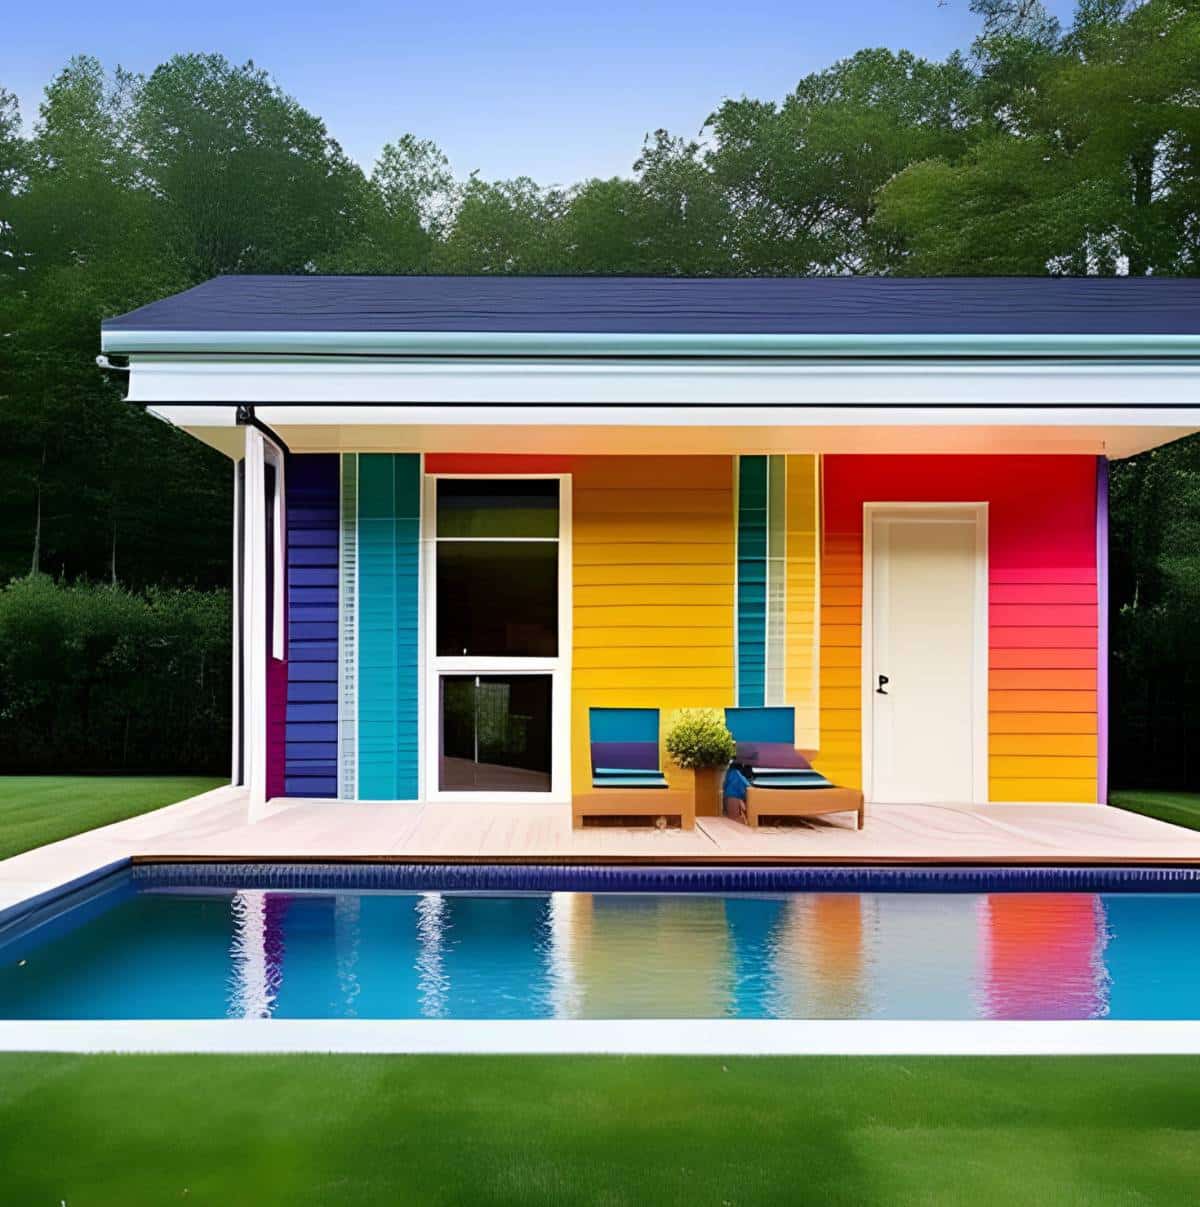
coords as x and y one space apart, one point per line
752 581
389 545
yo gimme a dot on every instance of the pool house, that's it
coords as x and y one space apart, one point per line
493 534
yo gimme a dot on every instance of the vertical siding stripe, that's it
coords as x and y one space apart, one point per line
389 505
752 582
801 668
312 603
762 585
1102 630
776 626
348 631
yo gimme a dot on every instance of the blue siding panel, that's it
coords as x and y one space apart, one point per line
389 542
312 559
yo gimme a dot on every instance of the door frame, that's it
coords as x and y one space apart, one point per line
558 668
979 667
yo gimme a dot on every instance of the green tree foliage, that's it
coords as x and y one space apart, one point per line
802 176
1086 164
98 678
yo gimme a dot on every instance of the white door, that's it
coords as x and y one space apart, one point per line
925 671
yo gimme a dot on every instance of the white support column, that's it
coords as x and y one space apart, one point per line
254 629
237 768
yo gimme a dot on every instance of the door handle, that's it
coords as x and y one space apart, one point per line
883 682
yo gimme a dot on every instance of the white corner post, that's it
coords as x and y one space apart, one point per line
237 767
254 623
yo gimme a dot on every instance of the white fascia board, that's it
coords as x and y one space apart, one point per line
701 388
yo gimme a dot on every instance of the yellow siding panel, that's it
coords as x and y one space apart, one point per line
592 657
681 576
1009 766
611 552
588 595
679 635
653 593
1081 791
654 617
1057 744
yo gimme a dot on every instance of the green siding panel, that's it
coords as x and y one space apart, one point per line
389 545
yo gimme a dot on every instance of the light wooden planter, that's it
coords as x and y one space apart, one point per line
708 784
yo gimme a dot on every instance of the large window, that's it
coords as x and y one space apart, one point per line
497 568
497 635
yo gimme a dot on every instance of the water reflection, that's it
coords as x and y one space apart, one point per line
257 954
1044 956
819 958
432 982
619 956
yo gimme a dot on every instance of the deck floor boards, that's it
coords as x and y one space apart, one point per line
216 826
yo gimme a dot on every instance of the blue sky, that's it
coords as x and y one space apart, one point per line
555 90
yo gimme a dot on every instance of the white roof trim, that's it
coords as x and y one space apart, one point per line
699 386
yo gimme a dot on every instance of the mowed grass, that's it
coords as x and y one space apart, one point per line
37 809
331 1130
1180 808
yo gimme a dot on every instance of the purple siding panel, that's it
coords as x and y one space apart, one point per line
312 671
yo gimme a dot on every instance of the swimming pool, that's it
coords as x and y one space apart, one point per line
208 943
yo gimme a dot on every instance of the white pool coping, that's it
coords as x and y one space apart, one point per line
639 1037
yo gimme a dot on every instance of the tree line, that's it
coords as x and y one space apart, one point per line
1041 148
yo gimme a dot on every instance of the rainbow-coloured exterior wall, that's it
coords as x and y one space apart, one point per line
699 581
1043 638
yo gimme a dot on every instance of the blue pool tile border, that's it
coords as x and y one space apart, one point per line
599 878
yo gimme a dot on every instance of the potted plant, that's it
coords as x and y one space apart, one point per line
700 742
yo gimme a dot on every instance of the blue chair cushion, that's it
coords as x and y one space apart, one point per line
627 777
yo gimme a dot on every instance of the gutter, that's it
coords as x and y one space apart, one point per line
128 341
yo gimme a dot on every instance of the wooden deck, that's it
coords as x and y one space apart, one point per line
215 826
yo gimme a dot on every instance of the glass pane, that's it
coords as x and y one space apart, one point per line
488 507
495 733
497 599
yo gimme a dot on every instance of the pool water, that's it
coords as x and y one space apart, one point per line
155 953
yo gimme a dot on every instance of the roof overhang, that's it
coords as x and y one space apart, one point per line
1114 406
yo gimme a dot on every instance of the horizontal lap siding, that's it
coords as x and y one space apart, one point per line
1043 634
389 521
653 588
312 583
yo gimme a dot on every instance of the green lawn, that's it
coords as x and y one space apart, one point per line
333 1130
36 809
1182 808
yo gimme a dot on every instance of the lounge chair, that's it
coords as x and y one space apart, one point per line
771 778
627 778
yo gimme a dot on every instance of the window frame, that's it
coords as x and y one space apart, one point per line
435 665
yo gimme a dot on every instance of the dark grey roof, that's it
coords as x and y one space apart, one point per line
962 306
